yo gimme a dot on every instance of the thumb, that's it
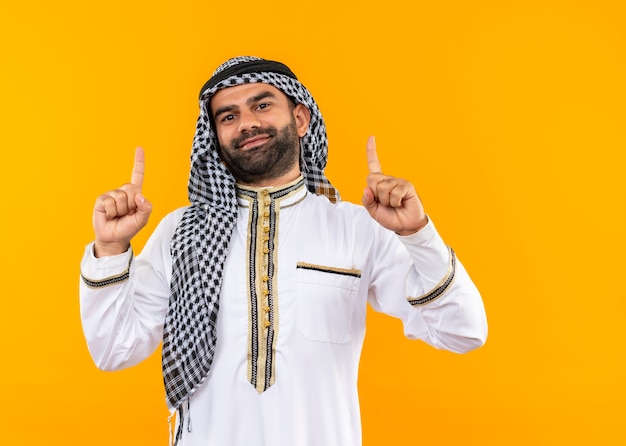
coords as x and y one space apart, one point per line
144 208
368 201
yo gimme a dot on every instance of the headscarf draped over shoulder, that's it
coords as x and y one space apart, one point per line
200 244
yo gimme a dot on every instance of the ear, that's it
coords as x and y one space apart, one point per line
302 116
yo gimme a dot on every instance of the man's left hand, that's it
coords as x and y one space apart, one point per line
392 202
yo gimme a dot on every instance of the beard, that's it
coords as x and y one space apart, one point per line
267 161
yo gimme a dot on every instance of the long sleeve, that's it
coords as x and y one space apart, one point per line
327 262
442 306
123 300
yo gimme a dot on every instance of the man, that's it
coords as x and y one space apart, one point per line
258 289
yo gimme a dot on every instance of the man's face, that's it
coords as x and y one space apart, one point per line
259 132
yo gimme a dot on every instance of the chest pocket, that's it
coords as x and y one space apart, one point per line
326 300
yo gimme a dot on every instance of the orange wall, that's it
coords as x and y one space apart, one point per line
508 116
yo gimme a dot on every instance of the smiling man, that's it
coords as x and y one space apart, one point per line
254 150
258 289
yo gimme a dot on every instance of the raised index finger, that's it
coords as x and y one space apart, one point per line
372 157
137 176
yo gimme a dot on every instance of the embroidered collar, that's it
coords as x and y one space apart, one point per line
288 194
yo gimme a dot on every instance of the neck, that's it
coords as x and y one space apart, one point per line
271 187
281 180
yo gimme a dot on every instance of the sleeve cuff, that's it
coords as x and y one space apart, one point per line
441 288
422 236
105 271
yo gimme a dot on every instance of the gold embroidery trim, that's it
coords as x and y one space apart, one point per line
111 280
441 288
329 269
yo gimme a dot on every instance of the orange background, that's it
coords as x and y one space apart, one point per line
508 116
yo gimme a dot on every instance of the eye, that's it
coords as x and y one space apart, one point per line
263 105
226 118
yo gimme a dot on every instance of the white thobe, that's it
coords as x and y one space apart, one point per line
329 261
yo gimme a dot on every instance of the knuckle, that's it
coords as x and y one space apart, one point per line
117 194
107 201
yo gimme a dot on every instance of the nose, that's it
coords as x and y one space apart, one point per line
248 121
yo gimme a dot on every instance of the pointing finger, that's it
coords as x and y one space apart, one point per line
138 168
372 157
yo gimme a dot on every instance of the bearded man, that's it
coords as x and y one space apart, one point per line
258 289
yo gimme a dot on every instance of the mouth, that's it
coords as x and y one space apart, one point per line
254 141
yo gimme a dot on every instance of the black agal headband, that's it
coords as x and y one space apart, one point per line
254 66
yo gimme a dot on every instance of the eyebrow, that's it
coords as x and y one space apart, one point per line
249 101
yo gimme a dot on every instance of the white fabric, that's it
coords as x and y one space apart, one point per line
321 320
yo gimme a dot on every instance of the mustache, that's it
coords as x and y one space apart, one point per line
269 131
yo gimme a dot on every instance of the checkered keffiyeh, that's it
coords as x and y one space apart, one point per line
200 244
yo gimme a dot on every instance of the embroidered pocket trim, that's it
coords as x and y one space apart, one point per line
329 269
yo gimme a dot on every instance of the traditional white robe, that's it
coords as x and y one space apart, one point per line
291 323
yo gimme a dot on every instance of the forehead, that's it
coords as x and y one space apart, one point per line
240 94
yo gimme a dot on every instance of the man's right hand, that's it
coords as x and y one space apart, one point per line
120 214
